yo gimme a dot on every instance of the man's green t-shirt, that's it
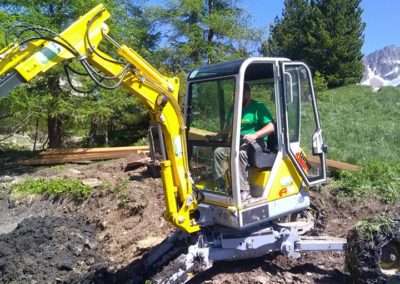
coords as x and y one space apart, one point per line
254 117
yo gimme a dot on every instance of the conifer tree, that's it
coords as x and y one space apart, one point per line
204 31
337 41
326 34
288 34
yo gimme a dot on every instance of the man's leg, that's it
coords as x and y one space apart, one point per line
221 155
244 172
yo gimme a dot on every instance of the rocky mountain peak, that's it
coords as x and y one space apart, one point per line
382 67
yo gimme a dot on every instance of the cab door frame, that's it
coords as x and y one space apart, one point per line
319 149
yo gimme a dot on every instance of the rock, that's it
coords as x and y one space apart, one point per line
131 222
90 261
148 243
3 186
78 250
104 238
5 182
288 277
6 179
259 279
92 182
64 264
76 172
102 225
89 244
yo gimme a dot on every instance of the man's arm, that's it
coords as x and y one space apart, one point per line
265 131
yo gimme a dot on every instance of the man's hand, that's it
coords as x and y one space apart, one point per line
265 131
248 138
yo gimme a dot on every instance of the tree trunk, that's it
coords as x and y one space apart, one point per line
92 132
36 134
54 122
106 138
210 33
54 131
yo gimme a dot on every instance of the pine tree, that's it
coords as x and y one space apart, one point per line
288 34
204 31
338 44
326 34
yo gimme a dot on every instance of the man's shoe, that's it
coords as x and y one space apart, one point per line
245 196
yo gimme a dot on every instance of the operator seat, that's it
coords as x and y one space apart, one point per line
262 154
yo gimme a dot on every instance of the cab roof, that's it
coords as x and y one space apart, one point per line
216 70
233 68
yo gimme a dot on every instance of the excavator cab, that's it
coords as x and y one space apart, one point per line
280 170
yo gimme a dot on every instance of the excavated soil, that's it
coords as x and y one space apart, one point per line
103 238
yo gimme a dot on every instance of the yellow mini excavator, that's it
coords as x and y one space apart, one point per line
213 222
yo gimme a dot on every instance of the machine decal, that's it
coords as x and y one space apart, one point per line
302 160
286 181
177 146
287 191
283 192
48 53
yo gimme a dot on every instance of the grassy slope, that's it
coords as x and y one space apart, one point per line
361 126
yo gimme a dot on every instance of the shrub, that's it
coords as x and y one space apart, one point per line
320 84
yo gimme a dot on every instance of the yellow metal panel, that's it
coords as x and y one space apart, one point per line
180 219
258 177
52 53
13 54
287 181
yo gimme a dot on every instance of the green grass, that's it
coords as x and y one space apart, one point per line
381 224
380 179
55 187
362 127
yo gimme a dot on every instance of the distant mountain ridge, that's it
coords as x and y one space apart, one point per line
382 68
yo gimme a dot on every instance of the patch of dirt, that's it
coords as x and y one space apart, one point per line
102 239
48 248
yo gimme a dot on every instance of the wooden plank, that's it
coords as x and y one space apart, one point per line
55 152
334 165
199 134
53 157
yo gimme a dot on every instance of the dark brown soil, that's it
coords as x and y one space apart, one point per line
103 238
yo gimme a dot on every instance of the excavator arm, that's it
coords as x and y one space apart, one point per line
22 62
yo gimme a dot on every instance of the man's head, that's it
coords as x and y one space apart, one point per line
246 95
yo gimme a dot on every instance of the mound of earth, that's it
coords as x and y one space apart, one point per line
44 248
103 238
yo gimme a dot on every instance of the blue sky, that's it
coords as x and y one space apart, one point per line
381 18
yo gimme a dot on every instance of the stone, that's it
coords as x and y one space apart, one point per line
92 182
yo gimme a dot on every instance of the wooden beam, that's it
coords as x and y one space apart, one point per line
55 152
334 165
53 157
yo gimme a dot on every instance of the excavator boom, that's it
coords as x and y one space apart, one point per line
22 62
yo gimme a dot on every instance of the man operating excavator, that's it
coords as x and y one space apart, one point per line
256 125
